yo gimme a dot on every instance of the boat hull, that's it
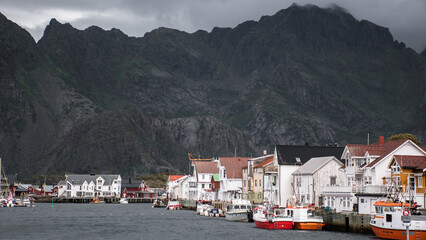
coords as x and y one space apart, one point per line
397 234
238 217
308 225
274 225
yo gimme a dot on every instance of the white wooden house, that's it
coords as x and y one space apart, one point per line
231 177
202 173
89 186
288 159
367 174
315 173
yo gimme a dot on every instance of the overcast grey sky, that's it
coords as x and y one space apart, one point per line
406 19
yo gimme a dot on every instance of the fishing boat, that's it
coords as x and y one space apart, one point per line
239 210
201 208
275 219
303 218
214 212
158 203
206 210
124 201
387 223
174 205
97 200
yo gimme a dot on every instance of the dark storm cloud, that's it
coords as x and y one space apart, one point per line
404 18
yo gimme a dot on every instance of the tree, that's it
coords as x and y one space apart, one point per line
405 136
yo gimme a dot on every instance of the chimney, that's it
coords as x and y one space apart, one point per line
381 140
264 152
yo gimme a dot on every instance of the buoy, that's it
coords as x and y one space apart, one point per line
52 203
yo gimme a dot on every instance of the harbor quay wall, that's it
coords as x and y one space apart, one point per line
49 199
346 222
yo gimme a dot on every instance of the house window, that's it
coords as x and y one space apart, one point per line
298 180
245 183
395 167
202 185
224 173
210 185
362 200
260 183
344 202
255 183
419 182
411 182
332 181
202 176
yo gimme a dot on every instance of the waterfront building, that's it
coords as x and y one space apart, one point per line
367 174
288 159
172 183
88 186
215 186
317 172
254 178
409 173
230 177
203 172
181 189
134 188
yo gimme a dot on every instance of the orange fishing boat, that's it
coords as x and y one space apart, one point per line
303 218
387 223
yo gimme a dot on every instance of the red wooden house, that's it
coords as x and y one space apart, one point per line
137 189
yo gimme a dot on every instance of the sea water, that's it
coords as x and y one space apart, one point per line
136 221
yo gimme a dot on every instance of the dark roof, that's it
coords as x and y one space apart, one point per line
287 154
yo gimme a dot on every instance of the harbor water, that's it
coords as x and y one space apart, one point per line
136 221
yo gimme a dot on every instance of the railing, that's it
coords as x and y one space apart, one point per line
354 189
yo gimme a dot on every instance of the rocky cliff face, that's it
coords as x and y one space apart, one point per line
100 101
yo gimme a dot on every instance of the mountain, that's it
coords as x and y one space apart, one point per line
423 53
92 100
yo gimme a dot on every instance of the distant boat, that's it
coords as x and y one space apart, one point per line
239 210
174 205
158 203
97 200
124 201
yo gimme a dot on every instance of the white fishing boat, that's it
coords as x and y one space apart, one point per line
174 205
124 201
388 222
201 208
239 210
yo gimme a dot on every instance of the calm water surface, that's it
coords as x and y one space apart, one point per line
135 221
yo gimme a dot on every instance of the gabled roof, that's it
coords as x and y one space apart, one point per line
265 162
314 164
233 166
386 148
78 179
206 167
173 178
287 154
414 162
